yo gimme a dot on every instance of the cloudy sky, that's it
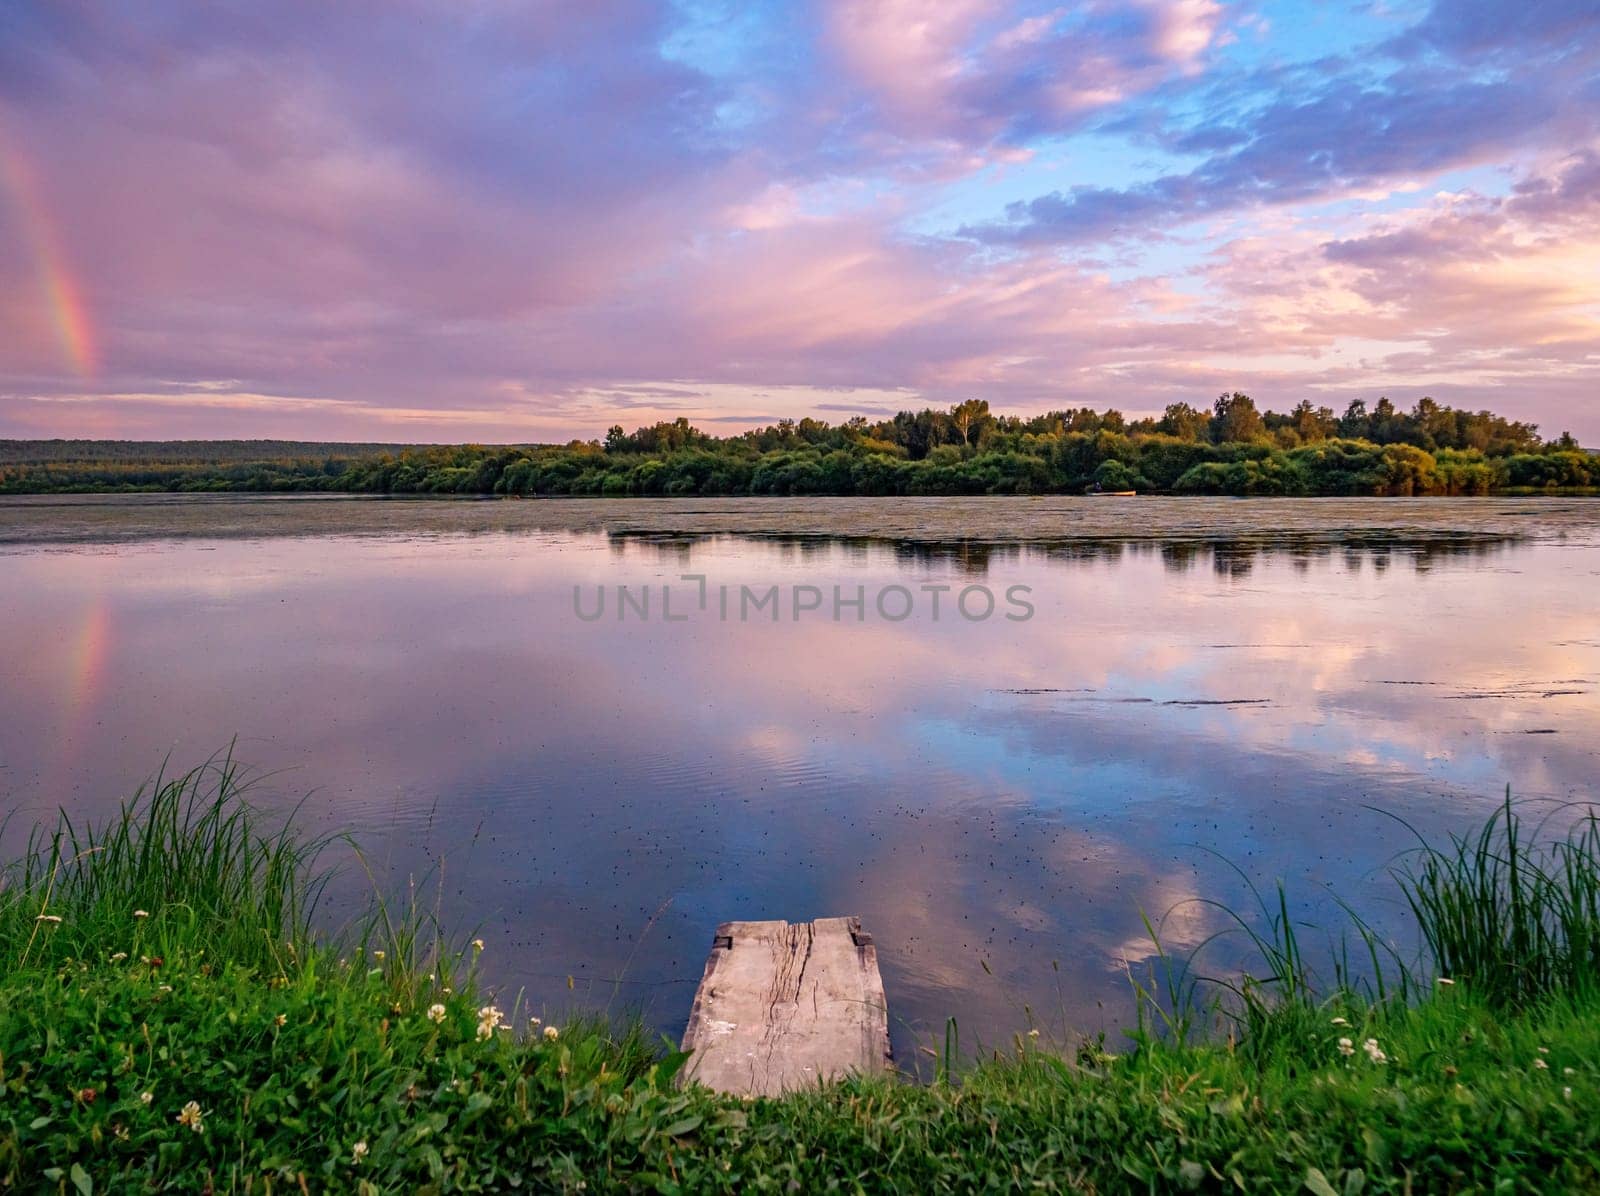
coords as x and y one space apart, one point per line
527 221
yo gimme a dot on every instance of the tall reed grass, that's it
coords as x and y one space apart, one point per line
186 864
1510 913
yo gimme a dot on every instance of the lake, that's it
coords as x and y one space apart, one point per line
999 730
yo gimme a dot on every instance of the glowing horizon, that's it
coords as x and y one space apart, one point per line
348 223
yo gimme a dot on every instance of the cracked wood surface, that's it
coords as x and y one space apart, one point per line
783 1006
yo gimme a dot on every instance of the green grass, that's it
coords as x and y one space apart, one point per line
1518 920
185 863
365 1063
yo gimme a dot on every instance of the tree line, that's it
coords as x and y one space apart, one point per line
1230 448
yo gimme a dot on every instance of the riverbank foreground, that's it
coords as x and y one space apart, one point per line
170 1021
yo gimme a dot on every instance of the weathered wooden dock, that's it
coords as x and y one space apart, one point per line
784 1006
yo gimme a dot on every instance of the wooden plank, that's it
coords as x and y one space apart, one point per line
784 1006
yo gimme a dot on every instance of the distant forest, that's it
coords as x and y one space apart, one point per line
1231 448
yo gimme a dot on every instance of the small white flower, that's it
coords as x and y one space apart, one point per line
551 1033
143 913
1445 981
1540 1065
477 944
489 1019
436 1014
1567 1092
1346 1047
191 1116
535 1022
358 1152
1374 1052
1569 1071
146 1097
166 988
1544 1050
281 1020
447 990
1339 1021
119 956
53 919
1033 1033
378 955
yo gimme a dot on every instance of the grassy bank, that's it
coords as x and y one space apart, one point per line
169 1022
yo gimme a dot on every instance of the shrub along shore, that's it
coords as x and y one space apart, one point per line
1232 449
170 1022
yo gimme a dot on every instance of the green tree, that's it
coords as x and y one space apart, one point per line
1183 421
967 415
1234 419
1355 424
1312 423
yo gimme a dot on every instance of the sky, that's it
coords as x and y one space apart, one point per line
510 222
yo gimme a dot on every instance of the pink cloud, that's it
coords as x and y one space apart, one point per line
385 223
971 72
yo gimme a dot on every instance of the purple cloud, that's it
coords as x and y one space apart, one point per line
423 220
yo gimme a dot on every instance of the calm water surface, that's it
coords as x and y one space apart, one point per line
1202 684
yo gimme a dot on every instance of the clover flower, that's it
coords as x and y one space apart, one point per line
191 1116
1374 1052
141 913
489 1019
358 1152
436 1014
551 1033
1346 1047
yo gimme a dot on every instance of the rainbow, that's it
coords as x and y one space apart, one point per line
84 659
84 668
62 295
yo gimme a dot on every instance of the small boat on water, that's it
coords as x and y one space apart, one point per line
1096 492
